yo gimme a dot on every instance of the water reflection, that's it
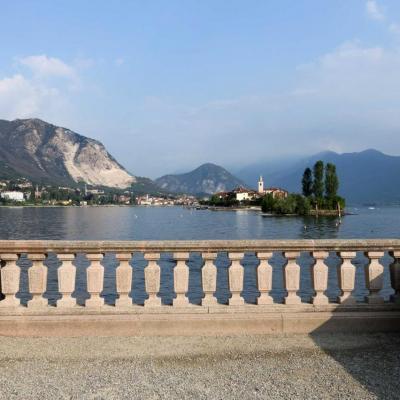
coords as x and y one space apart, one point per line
176 223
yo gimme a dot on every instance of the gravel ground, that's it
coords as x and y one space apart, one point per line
254 367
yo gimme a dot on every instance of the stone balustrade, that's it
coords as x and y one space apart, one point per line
328 270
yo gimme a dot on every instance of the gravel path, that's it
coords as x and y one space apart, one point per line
257 367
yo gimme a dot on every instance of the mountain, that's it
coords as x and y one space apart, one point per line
368 176
43 152
206 179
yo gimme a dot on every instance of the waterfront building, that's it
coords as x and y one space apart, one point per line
13 195
277 193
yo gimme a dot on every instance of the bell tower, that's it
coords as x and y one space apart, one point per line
260 185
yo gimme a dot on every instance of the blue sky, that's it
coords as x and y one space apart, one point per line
167 85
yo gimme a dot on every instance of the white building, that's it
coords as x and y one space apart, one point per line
275 192
13 195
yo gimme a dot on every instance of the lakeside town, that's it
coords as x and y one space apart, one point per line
22 192
319 196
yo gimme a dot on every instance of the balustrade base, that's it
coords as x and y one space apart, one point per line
195 321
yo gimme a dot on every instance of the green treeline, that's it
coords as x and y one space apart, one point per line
319 186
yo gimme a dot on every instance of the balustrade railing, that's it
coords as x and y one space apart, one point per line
329 271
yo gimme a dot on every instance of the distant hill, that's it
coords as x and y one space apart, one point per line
43 152
365 177
206 179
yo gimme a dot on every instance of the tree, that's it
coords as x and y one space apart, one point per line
307 182
318 184
331 181
268 203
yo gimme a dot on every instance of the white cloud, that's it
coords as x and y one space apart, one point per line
45 90
19 97
44 66
374 11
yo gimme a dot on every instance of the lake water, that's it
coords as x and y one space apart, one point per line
177 223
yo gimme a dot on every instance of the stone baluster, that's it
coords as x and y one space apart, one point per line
124 280
374 277
346 277
10 274
319 277
95 280
181 279
37 274
66 280
264 278
291 277
152 280
395 276
236 279
209 279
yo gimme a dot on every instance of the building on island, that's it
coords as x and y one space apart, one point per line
242 194
277 193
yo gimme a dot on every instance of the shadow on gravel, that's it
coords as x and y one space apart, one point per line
373 359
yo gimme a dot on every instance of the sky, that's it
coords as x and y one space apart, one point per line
169 85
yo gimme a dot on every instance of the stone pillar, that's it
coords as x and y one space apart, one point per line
236 279
152 280
95 280
319 277
374 277
37 274
394 276
10 274
181 279
66 280
291 277
346 277
124 280
209 279
264 278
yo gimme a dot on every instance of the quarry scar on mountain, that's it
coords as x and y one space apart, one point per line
41 151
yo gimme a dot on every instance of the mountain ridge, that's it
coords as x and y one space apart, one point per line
208 178
41 151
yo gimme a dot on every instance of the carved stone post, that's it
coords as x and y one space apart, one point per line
236 279
124 280
152 280
291 277
346 277
264 278
374 277
95 279
37 281
66 280
394 276
209 279
181 279
10 274
319 276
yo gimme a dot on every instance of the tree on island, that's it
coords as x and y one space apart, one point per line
307 183
325 185
318 183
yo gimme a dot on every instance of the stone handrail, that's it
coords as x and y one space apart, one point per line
346 250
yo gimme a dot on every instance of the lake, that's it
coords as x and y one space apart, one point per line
177 223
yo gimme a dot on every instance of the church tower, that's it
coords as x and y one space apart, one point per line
260 185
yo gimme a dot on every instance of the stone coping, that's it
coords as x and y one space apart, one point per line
205 246
250 309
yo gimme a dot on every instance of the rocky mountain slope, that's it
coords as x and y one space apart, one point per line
44 152
206 179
